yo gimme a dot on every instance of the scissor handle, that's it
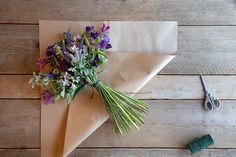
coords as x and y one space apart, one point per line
216 102
211 102
208 104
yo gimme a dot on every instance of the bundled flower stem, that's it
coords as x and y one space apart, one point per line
74 61
125 111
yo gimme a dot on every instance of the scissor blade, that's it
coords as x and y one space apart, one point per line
204 84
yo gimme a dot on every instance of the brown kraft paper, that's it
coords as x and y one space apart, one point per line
140 49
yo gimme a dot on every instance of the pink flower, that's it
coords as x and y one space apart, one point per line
105 27
42 63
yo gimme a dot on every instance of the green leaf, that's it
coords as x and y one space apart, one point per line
86 41
86 72
63 92
102 53
58 97
78 89
68 98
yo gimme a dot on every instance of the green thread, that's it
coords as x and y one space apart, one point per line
200 143
96 83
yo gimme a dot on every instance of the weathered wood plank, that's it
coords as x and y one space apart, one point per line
166 121
18 49
152 135
19 123
160 87
205 50
206 39
201 12
202 63
199 47
151 153
174 112
188 87
16 86
19 153
124 152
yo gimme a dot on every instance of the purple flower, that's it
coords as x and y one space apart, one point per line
85 82
102 44
95 61
106 39
68 38
95 35
108 46
105 43
89 28
52 76
63 66
42 63
48 97
105 27
50 51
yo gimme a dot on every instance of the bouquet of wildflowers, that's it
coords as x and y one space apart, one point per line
75 62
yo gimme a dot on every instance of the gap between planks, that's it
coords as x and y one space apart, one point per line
160 87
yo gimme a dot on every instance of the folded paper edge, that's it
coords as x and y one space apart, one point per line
150 76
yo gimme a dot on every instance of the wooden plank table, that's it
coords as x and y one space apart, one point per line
207 45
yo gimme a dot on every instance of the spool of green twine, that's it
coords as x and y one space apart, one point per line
200 143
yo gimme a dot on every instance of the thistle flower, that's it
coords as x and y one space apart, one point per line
63 66
50 51
48 97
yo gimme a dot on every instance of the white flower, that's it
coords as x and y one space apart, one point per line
70 56
66 78
76 37
77 79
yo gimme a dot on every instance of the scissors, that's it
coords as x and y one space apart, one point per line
211 102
